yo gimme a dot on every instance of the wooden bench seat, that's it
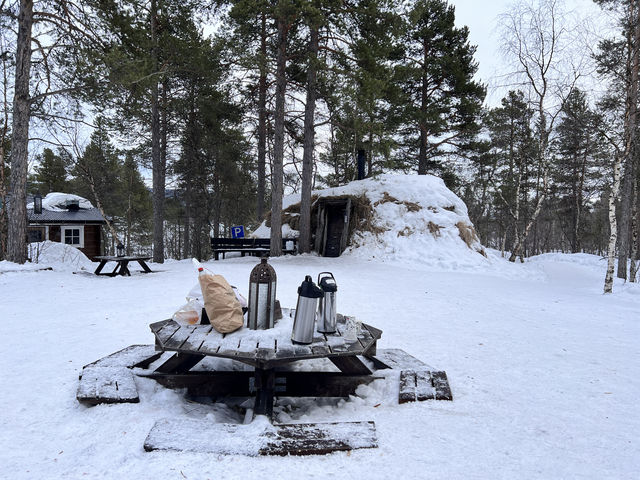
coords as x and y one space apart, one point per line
259 437
251 246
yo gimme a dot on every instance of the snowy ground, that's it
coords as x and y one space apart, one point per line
543 369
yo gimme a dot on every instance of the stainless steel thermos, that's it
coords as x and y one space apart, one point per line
303 323
327 304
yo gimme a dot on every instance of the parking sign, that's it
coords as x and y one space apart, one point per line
237 231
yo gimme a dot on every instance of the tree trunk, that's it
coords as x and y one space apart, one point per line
278 142
613 226
17 228
309 137
3 160
156 156
424 95
543 165
630 134
633 269
262 120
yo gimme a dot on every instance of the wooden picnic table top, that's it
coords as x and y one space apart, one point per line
262 353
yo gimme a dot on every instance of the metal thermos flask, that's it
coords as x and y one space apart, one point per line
303 323
327 304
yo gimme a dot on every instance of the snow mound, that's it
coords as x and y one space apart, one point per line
405 218
59 256
58 202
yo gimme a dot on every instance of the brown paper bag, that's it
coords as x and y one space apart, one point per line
220 302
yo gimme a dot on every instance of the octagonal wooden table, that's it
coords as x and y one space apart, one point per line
270 360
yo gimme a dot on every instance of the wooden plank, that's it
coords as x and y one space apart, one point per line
321 350
407 386
287 384
107 385
211 344
375 332
319 438
441 386
285 349
179 363
397 359
158 325
336 343
140 356
247 348
424 386
350 364
198 336
302 350
214 384
265 350
229 346
166 331
259 437
320 384
179 337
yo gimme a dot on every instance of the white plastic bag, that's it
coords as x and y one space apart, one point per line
189 313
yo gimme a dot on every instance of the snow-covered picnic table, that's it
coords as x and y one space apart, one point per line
261 364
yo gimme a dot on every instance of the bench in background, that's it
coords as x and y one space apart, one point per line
251 246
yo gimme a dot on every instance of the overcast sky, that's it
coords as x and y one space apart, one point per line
481 16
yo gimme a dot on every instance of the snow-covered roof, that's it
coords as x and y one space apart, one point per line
55 209
413 218
59 202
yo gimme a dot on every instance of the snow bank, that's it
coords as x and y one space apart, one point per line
57 202
414 218
58 256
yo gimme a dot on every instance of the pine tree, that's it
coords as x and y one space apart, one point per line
146 50
577 165
511 141
51 171
135 205
250 45
441 102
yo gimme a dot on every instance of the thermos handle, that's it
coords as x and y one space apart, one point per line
322 273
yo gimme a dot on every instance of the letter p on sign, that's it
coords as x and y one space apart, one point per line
237 232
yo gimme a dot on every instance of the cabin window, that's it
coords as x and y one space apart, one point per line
73 236
35 235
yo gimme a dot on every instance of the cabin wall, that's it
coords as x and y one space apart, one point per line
92 241
92 238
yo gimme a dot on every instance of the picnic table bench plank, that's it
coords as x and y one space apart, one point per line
441 385
227 438
180 362
133 356
107 385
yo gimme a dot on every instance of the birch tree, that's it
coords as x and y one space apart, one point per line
536 36
619 61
